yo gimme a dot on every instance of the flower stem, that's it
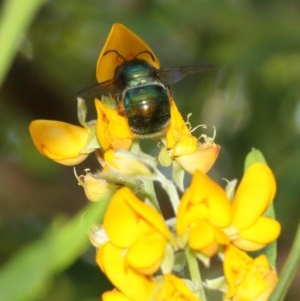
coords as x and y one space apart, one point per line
288 271
195 272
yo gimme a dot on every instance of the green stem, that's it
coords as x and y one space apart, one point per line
195 272
288 271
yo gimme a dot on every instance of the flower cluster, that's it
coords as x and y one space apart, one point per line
143 254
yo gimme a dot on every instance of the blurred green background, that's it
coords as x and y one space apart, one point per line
253 99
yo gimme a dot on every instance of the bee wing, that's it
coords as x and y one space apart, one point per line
176 74
107 88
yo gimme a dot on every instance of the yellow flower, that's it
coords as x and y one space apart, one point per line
203 213
115 295
253 196
125 164
112 129
248 279
128 45
61 142
95 187
206 218
175 289
133 285
183 147
137 227
168 287
136 243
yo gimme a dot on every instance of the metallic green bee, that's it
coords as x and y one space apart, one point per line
141 93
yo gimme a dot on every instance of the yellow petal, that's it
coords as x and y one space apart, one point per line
201 236
59 141
253 196
247 245
146 254
95 188
206 238
148 213
248 279
175 289
202 159
112 129
132 284
235 264
262 232
205 198
114 295
125 163
127 219
128 45
122 224
183 218
178 137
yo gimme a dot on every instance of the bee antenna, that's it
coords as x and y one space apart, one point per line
146 51
115 51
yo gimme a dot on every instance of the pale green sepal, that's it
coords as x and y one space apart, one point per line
164 158
216 284
92 141
204 259
81 111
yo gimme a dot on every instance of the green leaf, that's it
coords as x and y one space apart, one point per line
29 273
253 156
15 19
288 271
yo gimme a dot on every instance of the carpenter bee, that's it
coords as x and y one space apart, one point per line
141 92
